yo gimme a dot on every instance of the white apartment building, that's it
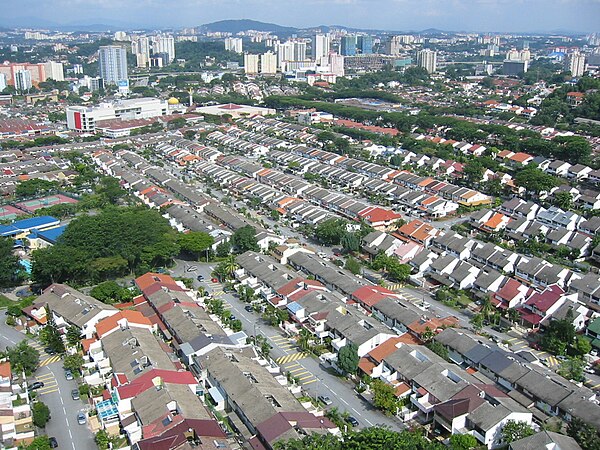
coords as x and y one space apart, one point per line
140 47
251 63
268 63
234 45
575 63
112 60
54 70
427 59
321 44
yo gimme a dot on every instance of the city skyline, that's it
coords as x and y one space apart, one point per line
393 15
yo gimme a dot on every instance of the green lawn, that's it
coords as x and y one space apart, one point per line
5 302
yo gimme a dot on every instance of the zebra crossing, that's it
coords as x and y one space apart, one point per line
291 358
283 342
217 288
50 360
50 384
300 374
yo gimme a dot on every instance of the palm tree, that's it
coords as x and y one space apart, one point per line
304 338
230 265
513 315
487 308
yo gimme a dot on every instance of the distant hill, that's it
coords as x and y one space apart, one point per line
236 26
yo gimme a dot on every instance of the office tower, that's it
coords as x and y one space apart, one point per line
112 61
268 63
2 82
54 70
336 64
515 67
393 46
365 45
320 46
251 63
234 45
575 63
23 80
164 44
140 47
427 59
348 45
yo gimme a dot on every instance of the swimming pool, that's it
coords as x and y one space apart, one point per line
27 265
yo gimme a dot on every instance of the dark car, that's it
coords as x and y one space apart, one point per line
75 394
53 442
200 278
68 374
50 351
249 308
352 421
36 385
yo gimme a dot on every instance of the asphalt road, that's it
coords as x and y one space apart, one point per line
313 378
56 394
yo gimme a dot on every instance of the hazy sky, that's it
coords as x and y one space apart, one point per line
470 15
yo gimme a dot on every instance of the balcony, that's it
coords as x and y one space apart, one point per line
422 402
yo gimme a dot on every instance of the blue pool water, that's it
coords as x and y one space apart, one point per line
27 264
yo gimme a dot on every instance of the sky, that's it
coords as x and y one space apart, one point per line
398 15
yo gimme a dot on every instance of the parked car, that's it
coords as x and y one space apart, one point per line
53 442
50 351
68 374
200 278
352 421
75 394
249 308
81 419
36 385
325 399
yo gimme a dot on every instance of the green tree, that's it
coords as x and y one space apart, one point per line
195 242
585 435
223 249
41 414
102 440
39 443
352 265
477 321
330 231
50 334
73 362
572 369
35 187
11 271
110 292
473 171
438 349
384 397
275 215
534 180
463 442
22 357
350 242
348 358
563 200
73 336
109 190
515 430
244 239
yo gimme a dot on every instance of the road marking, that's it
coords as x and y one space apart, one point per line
306 377
369 422
46 376
300 369
291 357
552 361
344 401
40 392
50 360
308 382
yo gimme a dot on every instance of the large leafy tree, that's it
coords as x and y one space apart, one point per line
50 334
93 246
195 242
515 430
22 357
11 272
330 231
585 435
244 239
111 292
348 358
41 414
534 180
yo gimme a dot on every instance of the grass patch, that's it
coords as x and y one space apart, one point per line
5 302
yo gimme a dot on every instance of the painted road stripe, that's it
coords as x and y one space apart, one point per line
50 360
300 369
306 377
289 358
314 380
48 392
